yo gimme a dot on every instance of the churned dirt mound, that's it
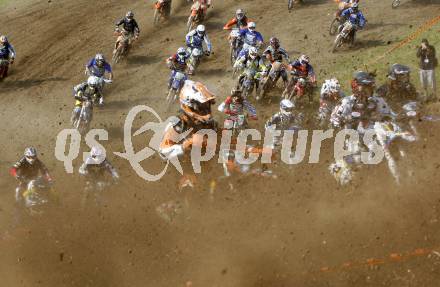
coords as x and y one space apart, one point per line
300 229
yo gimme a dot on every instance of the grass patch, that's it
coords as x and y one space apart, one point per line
346 62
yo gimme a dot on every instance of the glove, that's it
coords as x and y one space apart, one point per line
11 61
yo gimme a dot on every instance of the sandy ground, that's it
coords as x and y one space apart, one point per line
259 232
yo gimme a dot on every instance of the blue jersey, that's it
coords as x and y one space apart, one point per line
194 40
7 51
98 71
356 18
302 70
251 37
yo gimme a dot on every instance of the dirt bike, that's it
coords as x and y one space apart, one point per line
82 121
270 80
388 132
176 85
235 123
324 112
395 4
346 36
196 55
161 11
298 88
193 21
248 81
93 191
4 65
236 44
123 46
36 195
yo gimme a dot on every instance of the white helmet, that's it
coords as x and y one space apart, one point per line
181 52
286 107
200 30
331 86
239 14
30 154
253 53
304 59
93 81
3 39
97 154
252 25
99 57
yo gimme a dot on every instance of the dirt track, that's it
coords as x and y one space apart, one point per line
264 232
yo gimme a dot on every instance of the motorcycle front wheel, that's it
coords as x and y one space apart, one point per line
395 4
290 5
171 98
334 27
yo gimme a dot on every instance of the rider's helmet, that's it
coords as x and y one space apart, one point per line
355 7
236 95
363 83
304 59
239 14
253 53
93 82
97 154
129 15
334 85
399 73
99 59
331 87
200 30
181 53
3 39
198 100
274 42
30 154
286 107
252 26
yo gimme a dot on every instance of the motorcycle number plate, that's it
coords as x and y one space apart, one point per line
179 76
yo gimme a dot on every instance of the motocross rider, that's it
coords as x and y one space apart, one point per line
250 60
251 37
130 26
283 120
96 166
235 105
240 21
331 94
30 169
177 63
398 86
355 16
195 114
274 53
86 91
195 39
98 67
7 52
301 70
202 5
166 4
360 110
